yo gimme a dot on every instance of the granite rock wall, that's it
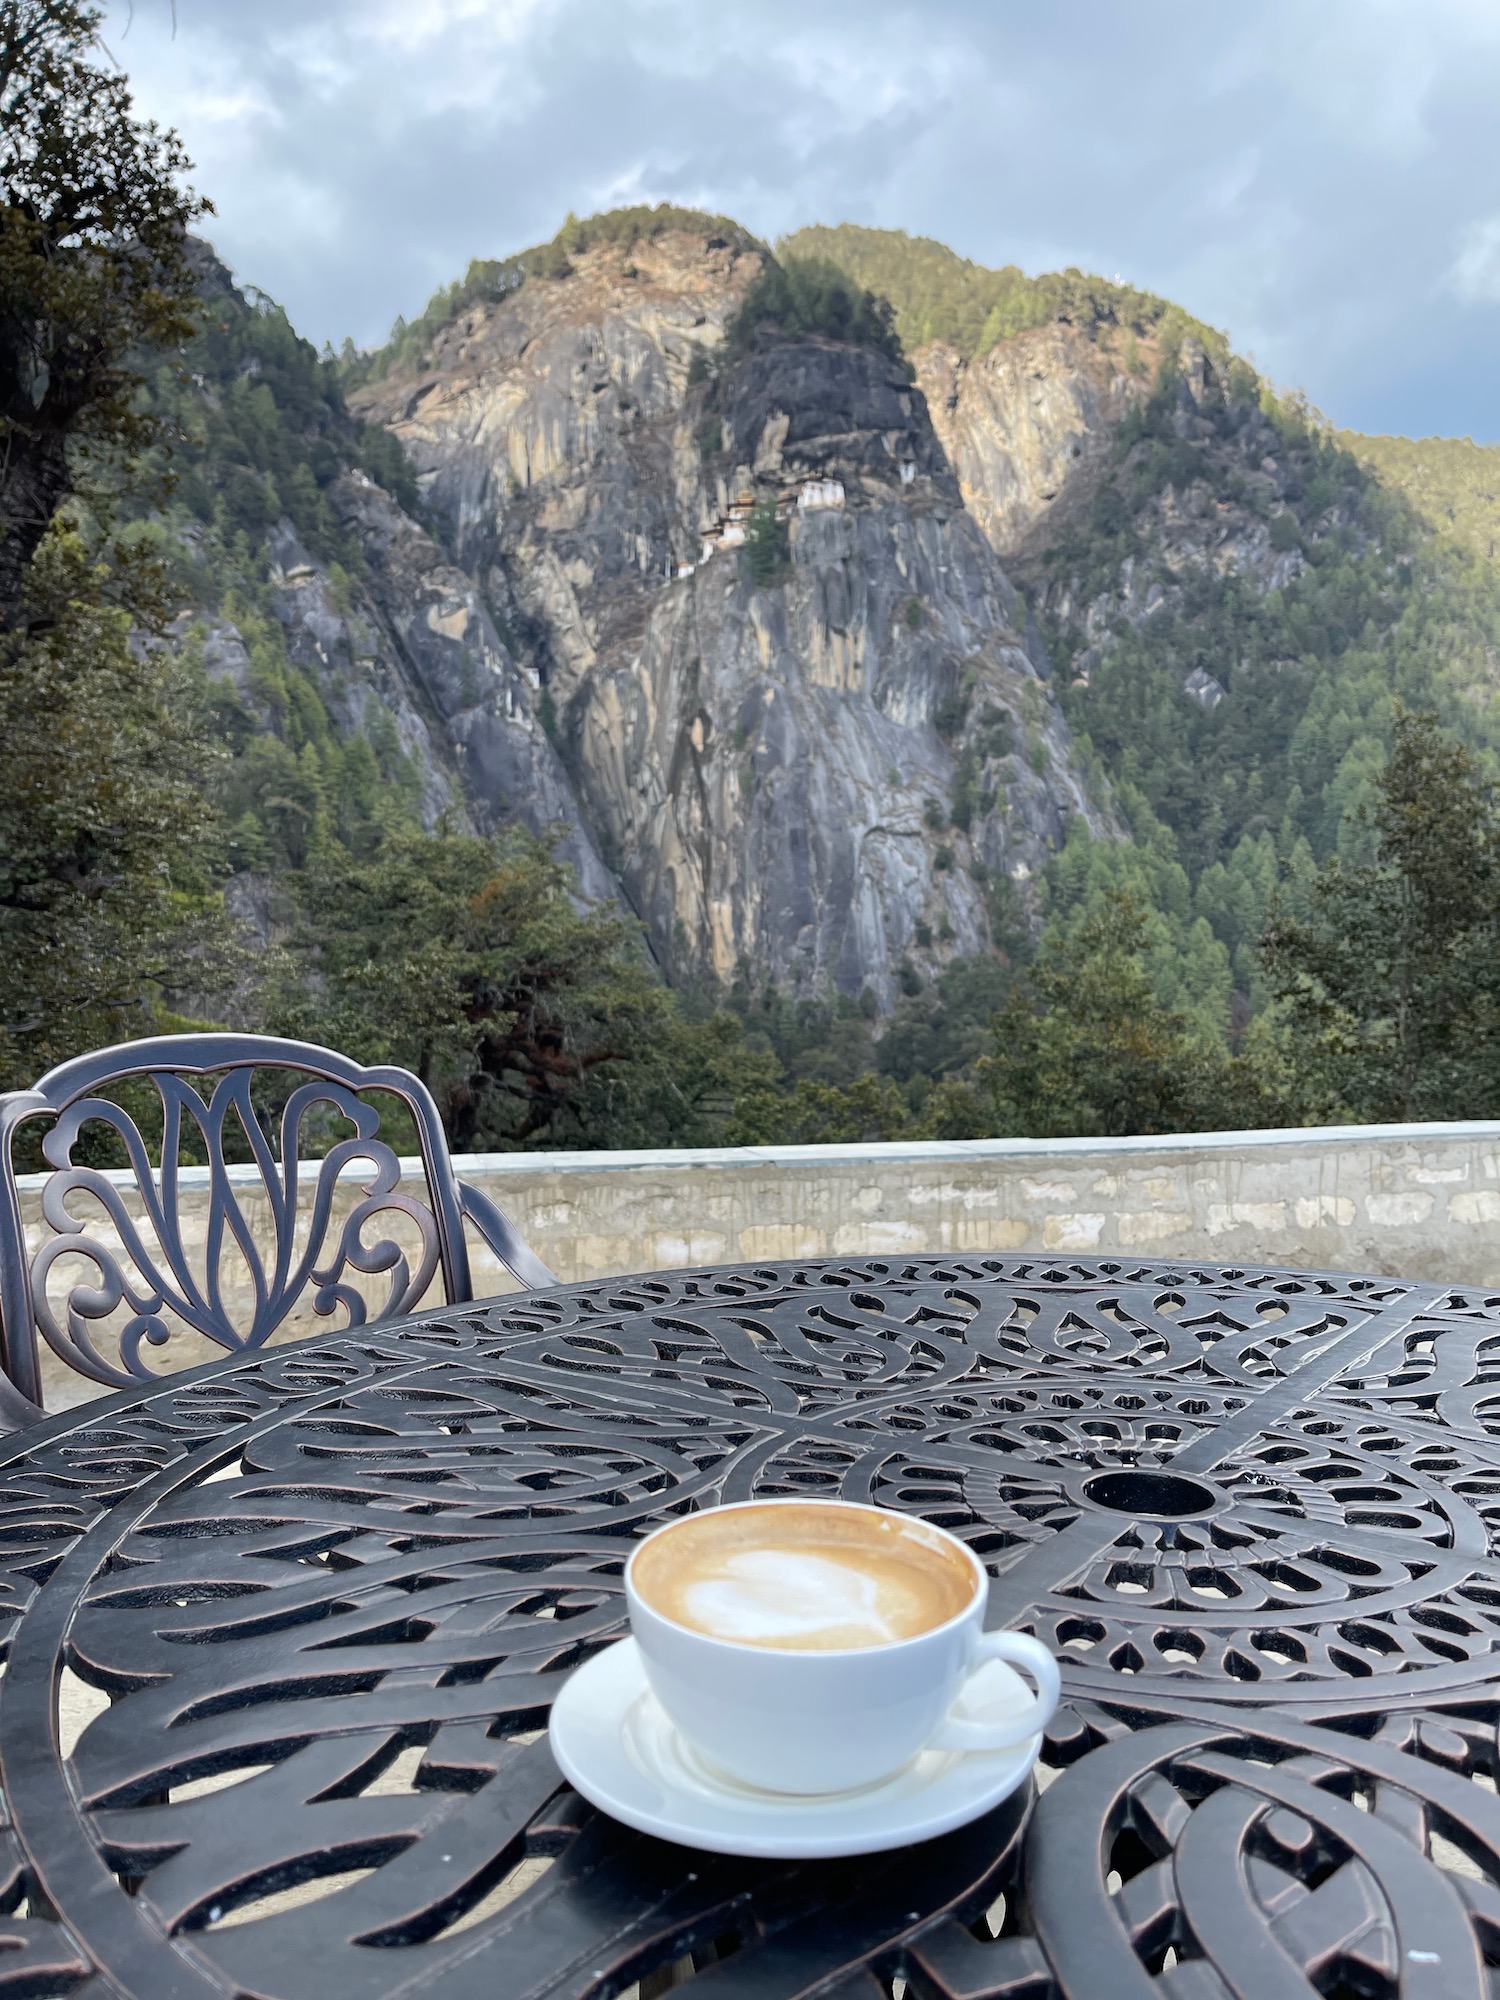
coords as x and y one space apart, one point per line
811 766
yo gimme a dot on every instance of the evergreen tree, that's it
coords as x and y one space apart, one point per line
94 268
1390 982
106 844
1085 1046
532 1023
807 295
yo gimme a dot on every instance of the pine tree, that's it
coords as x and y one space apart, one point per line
106 844
1390 983
95 271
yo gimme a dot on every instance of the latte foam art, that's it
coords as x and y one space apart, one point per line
770 1596
804 1575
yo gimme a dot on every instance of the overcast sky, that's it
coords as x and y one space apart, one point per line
1321 178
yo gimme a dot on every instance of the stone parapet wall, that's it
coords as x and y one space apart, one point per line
1411 1200
1418 1201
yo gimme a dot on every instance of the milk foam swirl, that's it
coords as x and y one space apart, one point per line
766 1595
804 1575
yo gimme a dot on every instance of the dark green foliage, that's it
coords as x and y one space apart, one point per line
1390 981
107 854
260 429
94 271
1453 483
943 1029
293 783
131 782
814 1080
952 712
767 548
975 779
533 1024
383 457
644 223
869 1109
106 848
1010 926
997 731
1087 1047
1382 977
803 296
1266 784
811 1040
938 295
965 788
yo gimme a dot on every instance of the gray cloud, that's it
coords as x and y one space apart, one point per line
1322 181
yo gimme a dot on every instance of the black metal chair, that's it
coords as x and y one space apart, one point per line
148 1272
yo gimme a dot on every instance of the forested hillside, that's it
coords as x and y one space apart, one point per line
938 295
1246 711
1230 614
1453 483
256 432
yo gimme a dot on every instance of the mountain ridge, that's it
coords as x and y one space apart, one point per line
772 758
1119 573
1235 596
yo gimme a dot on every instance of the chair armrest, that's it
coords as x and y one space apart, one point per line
501 1234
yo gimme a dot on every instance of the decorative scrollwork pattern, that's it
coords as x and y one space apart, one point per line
146 1264
321 1598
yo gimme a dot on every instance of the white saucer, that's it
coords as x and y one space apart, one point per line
613 1742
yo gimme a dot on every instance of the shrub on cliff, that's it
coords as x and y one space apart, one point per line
766 545
808 295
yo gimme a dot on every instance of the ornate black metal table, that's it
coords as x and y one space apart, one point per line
330 1590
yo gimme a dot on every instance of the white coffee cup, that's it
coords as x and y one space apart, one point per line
785 1719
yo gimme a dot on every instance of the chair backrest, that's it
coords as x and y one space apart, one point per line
127 1229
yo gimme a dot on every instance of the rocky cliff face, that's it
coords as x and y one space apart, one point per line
357 633
1029 427
466 680
412 649
783 666
1033 430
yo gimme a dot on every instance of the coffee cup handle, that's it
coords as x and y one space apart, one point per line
1018 1649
